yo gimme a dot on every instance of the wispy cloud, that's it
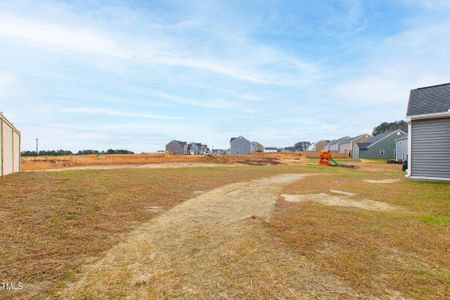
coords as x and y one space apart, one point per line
116 113
413 58
5 79
158 49
430 4
284 71
42 33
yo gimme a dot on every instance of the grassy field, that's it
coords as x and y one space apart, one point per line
54 223
404 251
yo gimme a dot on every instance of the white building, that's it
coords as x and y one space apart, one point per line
401 149
9 147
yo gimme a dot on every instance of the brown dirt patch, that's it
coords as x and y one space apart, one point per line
327 199
212 246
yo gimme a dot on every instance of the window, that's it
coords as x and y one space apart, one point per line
381 152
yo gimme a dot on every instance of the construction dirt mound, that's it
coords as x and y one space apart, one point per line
82 161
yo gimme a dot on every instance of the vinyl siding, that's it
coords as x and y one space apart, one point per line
240 146
175 148
9 147
430 148
387 145
7 136
16 151
355 151
401 150
1 146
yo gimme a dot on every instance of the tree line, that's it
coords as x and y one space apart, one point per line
390 126
68 152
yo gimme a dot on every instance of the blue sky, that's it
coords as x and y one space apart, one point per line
136 74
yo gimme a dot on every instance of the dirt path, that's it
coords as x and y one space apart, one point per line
212 246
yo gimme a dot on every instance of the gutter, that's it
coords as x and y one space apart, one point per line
429 116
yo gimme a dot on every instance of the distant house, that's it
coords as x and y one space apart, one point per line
197 149
240 145
288 149
401 149
271 149
335 145
194 148
177 147
347 146
320 145
381 146
218 151
257 147
428 119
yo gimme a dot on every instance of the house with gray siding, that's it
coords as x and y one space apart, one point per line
240 145
257 147
320 145
177 147
401 149
381 146
347 146
335 145
197 149
428 119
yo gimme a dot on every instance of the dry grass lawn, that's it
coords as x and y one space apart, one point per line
383 253
56 227
57 162
51 223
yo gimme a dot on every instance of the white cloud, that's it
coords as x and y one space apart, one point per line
59 35
216 104
249 64
5 80
413 58
430 4
116 113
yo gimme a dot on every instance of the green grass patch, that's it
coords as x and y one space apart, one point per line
436 220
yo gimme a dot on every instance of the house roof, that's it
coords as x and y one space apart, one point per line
180 142
240 137
359 136
379 137
429 100
363 146
340 141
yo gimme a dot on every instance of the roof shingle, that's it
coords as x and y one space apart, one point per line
428 100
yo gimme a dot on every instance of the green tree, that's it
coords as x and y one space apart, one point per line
302 146
390 126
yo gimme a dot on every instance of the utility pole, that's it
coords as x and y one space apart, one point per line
37 146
